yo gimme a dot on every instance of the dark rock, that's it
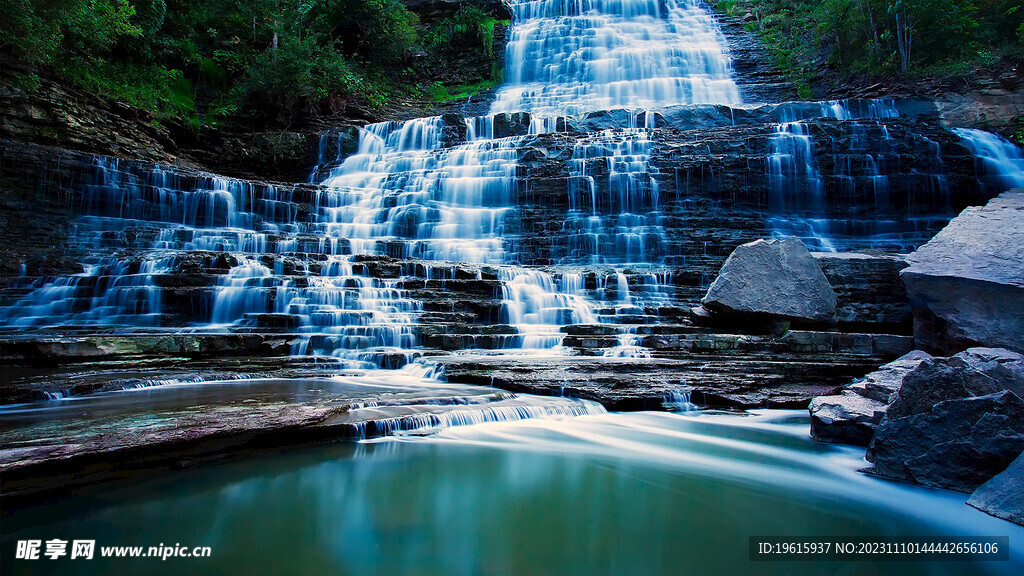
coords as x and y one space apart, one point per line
774 278
966 285
715 371
453 131
852 416
515 124
757 74
885 383
958 444
975 372
1003 495
848 418
606 120
869 291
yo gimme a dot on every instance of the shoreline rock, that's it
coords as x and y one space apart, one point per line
852 416
1003 495
178 427
955 422
966 285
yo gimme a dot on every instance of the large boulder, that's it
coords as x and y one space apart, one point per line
966 285
774 278
955 422
974 372
958 445
1003 495
852 416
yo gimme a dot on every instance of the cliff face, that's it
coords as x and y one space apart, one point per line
707 187
92 182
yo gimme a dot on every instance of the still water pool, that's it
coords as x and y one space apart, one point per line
636 493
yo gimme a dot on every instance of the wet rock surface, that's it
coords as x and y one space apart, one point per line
776 278
965 285
955 422
852 416
1003 496
56 446
708 370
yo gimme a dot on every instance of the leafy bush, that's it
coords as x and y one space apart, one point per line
41 29
156 88
468 27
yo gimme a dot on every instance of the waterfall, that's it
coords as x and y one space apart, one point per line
797 187
997 157
341 264
566 57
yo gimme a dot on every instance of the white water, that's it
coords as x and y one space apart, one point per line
566 57
996 156
293 253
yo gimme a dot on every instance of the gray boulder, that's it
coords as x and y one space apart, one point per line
776 278
974 372
966 285
958 445
852 416
1003 495
846 418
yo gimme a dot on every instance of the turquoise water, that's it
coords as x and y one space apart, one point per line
636 493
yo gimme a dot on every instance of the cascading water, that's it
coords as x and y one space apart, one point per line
572 57
998 159
438 193
860 176
567 57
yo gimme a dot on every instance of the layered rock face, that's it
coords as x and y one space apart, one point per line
619 218
966 285
564 207
869 292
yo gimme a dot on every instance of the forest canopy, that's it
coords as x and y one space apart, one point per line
910 38
231 58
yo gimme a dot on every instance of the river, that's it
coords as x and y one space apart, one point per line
616 493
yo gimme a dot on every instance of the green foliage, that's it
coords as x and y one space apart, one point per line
1018 134
300 73
910 37
27 82
215 59
438 92
164 91
468 27
380 31
40 29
